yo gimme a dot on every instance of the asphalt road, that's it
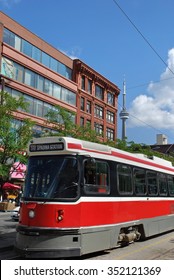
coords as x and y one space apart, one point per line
160 247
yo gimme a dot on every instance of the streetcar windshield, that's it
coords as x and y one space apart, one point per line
52 177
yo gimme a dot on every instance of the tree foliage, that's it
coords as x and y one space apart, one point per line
63 125
14 136
68 128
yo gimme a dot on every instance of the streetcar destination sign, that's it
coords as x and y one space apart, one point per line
46 147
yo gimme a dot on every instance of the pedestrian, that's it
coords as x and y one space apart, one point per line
5 196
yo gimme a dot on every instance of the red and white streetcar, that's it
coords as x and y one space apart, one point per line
82 197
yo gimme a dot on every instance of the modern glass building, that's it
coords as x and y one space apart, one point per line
46 77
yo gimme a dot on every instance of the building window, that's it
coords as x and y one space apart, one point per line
68 96
53 64
83 82
30 102
39 82
90 86
88 107
30 50
82 103
46 108
38 108
45 59
88 123
36 54
29 78
82 121
110 134
57 91
98 112
8 37
17 72
48 87
98 128
12 39
71 98
110 98
110 116
26 48
99 92
14 93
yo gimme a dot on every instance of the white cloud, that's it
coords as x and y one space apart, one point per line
157 108
74 53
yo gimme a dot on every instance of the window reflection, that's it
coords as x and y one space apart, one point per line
30 50
52 177
96 177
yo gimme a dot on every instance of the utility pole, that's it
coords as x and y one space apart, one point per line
124 115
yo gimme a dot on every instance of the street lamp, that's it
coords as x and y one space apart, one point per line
2 87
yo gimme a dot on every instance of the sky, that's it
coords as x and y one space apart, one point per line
120 39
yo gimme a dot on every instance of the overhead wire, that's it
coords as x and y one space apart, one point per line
148 125
144 38
154 82
158 55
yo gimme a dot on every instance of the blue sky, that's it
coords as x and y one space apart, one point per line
99 33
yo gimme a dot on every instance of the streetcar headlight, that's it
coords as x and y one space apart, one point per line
60 215
31 214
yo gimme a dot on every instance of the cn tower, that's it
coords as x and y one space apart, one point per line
124 115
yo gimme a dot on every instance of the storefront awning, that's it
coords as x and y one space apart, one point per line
10 186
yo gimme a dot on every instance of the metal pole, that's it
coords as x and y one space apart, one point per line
2 81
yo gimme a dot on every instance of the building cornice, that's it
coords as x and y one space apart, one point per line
84 69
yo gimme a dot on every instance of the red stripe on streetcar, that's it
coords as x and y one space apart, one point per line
86 214
74 146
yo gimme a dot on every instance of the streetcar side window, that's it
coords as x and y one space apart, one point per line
139 181
152 183
96 177
162 181
124 179
171 185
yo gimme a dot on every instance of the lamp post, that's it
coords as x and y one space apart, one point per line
2 87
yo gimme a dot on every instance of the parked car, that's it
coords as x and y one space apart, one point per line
15 213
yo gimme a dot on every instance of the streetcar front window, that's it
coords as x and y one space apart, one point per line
52 177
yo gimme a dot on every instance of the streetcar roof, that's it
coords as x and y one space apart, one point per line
54 145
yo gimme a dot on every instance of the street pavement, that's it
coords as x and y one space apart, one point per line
7 231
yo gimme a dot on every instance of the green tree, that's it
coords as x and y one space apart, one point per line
61 121
14 137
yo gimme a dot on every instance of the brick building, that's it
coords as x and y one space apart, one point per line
46 77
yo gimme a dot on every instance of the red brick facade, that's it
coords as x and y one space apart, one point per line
47 77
